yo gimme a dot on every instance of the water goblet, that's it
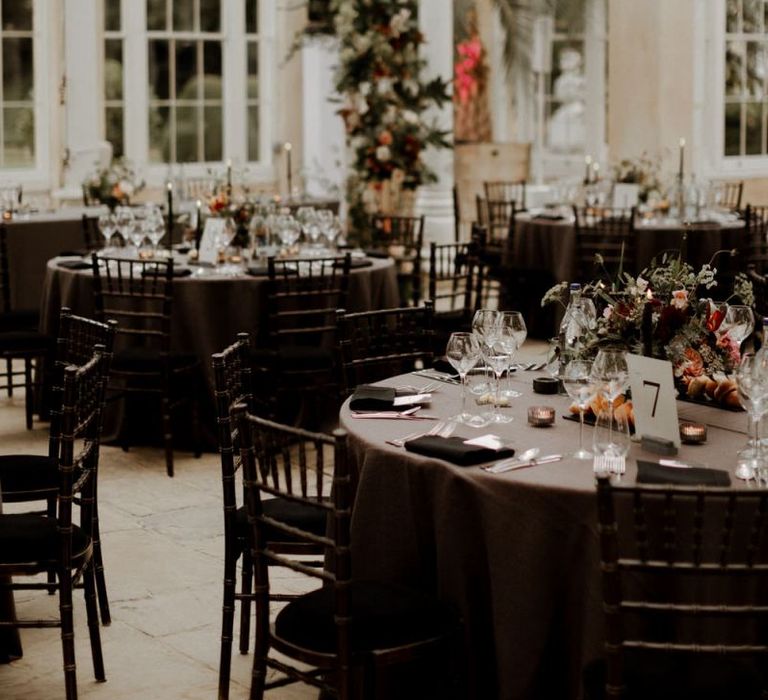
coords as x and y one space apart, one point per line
496 355
124 220
610 442
610 373
752 385
136 235
463 352
580 386
737 324
325 224
484 326
106 222
514 321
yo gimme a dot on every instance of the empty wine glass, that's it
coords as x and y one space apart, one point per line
288 230
107 225
737 324
308 219
136 235
463 352
514 321
580 386
124 220
325 222
484 325
752 385
610 442
495 349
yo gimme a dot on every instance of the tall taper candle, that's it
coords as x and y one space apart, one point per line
229 177
682 160
288 148
169 237
199 226
588 169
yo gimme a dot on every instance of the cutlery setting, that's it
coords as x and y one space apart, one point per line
441 429
529 458
407 414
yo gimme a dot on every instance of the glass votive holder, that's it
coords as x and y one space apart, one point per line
693 433
541 416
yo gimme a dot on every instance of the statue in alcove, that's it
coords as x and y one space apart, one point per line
565 130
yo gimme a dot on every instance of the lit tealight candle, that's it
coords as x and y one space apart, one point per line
541 416
693 433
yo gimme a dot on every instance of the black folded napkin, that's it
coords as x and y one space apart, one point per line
373 253
549 217
74 264
177 272
655 473
355 263
372 398
454 449
263 271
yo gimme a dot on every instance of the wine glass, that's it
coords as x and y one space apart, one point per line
308 219
136 235
288 230
124 220
107 225
496 353
463 352
610 442
752 385
514 321
325 225
578 382
484 325
737 324
154 229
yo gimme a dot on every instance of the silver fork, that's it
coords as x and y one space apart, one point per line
438 428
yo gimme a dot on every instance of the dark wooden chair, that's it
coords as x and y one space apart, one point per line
20 339
346 625
31 544
295 356
755 242
455 288
729 194
139 295
510 191
605 243
233 384
498 218
28 478
402 237
684 592
373 345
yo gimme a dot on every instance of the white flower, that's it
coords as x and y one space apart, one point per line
126 187
411 86
365 88
361 42
384 86
357 142
607 312
642 285
399 23
390 115
410 117
383 153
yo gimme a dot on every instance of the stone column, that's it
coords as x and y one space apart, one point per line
435 201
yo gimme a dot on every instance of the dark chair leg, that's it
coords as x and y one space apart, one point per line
92 613
51 513
167 435
227 623
9 375
246 578
98 572
260 649
29 391
67 634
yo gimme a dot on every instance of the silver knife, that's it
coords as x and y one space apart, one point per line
510 465
438 376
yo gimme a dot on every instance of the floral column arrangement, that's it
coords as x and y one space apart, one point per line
384 104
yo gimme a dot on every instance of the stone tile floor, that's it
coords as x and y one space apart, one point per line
163 545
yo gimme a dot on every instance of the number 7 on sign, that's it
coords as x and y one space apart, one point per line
653 394
655 386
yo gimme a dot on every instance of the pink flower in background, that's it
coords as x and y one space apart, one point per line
471 52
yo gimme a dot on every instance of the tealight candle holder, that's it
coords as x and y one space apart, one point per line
541 416
693 433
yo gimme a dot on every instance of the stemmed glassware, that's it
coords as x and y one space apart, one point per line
580 386
463 352
154 227
325 225
495 349
288 230
124 221
514 321
107 227
610 442
611 376
310 225
136 235
485 324
752 385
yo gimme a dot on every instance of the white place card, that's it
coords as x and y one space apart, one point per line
212 233
654 399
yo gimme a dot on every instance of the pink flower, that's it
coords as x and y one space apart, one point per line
680 299
607 312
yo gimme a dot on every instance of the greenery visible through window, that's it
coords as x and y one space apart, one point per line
114 107
184 43
17 90
746 94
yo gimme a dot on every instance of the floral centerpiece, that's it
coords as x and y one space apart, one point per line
642 171
112 186
384 101
221 204
663 313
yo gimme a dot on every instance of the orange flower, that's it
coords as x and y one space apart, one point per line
385 138
694 365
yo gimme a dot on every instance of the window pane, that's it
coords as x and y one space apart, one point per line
183 15
732 15
113 69
253 133
755 69
213 134
186 134
17 14
212 70
17 69
753 125
156 15
252 16
18 136
186 70
732 129
253 70
569 17
112 15
114 130
159 135
210 15
751 18
159 77
734 62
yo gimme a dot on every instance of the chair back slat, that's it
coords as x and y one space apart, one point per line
403 238
453 272
5 280
497 216
506 190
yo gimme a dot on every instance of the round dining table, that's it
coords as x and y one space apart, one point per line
517 553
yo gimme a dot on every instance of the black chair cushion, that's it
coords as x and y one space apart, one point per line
19 321
297 514
673 677
26 341
138 359
383 616
26 538
25 477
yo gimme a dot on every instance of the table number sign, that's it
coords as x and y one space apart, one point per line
212 233
653 398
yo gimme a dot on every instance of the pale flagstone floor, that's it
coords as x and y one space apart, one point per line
163 547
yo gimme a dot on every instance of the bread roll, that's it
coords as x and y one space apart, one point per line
725 387
710 388
696 387
731 399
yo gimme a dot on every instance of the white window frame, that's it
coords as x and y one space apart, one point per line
136 93
709 98
45 78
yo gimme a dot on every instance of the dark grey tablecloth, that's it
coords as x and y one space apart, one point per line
517 553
